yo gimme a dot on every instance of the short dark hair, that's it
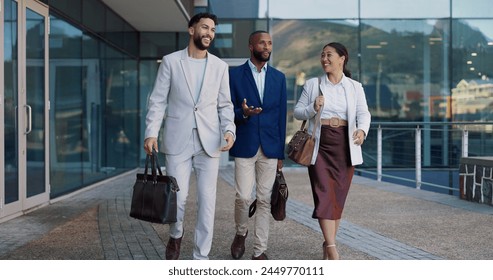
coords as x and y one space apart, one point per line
196 18
255 33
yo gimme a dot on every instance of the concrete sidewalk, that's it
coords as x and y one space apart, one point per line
380 221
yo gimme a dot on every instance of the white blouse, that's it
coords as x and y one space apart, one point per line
335 104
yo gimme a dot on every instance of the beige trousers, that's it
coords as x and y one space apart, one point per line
258 171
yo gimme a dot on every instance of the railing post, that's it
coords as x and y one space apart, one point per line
379 154
418 157
465 142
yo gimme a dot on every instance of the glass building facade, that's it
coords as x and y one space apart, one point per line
420 62
85 128
94 115
94 95
425 63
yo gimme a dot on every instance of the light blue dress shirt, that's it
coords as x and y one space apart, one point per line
259 78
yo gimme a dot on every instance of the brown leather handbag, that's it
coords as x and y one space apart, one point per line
302 145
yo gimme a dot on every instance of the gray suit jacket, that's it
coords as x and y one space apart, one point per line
172 101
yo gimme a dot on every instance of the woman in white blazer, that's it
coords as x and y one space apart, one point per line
342 129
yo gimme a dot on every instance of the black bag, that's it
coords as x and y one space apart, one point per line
278 199
154 196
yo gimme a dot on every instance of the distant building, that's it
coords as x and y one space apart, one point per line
472 100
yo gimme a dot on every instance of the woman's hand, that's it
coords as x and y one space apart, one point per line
359 137
319 103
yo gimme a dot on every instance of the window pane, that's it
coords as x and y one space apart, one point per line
405 9
129 137
232 40
308 9
120 117
67 148
404 68
157 44
114 28
147 71
93 12
299 51
65 39
233 8
131 40
10 66
93 97
71 8
472 8
92 116
472 76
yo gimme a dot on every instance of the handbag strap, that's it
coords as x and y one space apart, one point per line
146 167
155 165
156 162
318 115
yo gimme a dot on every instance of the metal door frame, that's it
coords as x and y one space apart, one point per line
24 204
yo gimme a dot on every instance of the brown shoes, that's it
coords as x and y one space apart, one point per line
173 248
238 246
262 257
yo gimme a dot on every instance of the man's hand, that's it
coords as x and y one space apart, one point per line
229 142
150 143
250 111
279 164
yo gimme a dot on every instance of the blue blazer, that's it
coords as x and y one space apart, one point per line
267 129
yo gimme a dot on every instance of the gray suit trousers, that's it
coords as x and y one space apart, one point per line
206 170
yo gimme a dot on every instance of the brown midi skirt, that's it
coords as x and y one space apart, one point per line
332 173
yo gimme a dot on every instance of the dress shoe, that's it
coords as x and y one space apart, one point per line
262 256
238 246
173 248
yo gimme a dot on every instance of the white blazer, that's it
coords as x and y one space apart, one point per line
172 101
357 113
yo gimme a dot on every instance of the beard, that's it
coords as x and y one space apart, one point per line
259 57
197 40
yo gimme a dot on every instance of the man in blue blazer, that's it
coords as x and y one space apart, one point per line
258 93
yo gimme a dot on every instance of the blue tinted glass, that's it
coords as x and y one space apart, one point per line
10 70
309 9
472 74
405 62
405 9
234 8
472 8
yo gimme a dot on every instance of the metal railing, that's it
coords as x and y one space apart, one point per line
438 147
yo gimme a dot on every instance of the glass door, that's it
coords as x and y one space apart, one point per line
25 183
35 109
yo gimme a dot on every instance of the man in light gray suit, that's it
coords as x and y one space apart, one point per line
191 95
